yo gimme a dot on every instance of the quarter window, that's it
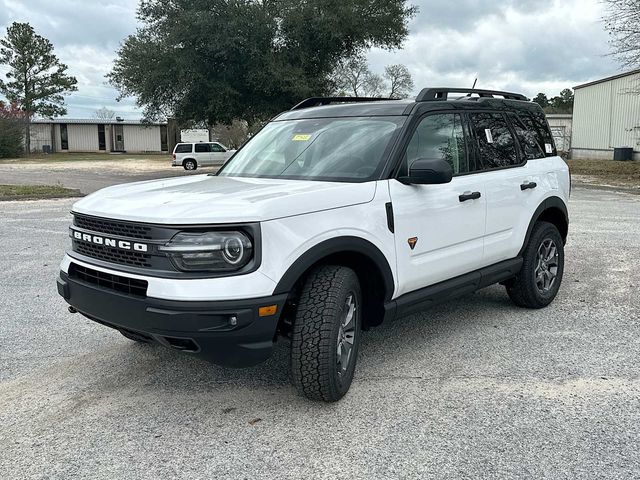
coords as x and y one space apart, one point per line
439 136
496 144
529 141
183 148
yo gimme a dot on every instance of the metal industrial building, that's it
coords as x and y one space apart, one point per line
80 135
606 115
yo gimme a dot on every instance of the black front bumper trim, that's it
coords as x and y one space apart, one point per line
229 333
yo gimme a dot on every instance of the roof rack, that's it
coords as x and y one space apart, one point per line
439 94
319 101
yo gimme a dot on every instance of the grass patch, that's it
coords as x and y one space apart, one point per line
35 192
85 157
609 171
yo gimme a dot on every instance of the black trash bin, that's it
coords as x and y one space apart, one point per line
623 154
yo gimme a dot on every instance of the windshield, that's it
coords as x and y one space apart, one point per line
349 149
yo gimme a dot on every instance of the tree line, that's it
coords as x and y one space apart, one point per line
215 62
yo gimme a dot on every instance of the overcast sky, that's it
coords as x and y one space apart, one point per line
520 45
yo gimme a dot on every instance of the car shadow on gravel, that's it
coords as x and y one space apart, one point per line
157 368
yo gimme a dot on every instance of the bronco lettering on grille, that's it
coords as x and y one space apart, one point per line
110 242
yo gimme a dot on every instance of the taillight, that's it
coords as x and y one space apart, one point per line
174 156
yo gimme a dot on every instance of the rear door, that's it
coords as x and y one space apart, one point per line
203 154
439 229
513 184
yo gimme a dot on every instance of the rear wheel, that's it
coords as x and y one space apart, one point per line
190 165
326 333
539 280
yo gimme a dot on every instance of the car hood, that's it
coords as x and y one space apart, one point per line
200 199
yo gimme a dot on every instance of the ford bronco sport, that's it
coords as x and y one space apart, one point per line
339 215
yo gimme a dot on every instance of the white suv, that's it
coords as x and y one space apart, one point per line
194 155
331 220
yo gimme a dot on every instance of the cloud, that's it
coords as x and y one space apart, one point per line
85 36
521 45
527 46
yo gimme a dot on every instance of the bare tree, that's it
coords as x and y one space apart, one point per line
104 114
400 81
622 21
353 77
232 136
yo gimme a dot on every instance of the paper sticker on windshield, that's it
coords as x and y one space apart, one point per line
487 132
548 148
301 138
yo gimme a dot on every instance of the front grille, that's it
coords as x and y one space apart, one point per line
129 286
111 227
113 255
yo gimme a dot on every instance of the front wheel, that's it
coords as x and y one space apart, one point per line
326 333
190 165
538 282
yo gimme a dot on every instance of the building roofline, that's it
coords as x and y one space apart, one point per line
559 115
93 121
607 79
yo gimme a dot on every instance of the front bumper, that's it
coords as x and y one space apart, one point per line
206 329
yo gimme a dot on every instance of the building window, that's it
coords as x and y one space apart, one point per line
102 139
164 139
64 137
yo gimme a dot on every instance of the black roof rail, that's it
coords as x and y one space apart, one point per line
319 101
436 94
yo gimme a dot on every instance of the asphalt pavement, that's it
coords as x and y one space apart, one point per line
475 388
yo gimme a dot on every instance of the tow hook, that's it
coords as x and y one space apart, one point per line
72 310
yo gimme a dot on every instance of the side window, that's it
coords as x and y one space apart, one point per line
203 148
217 148
496 144
183 148
439 136
529 140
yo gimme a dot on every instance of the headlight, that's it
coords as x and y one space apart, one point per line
209 251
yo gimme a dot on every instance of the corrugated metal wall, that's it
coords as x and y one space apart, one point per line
40 136
83 138
141 138
607 115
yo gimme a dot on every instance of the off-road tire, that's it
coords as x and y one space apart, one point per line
523 290
190 165
321 310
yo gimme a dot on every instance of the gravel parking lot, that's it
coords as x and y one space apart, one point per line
473 389
91 175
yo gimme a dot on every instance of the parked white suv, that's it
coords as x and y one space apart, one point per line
331 220
194 155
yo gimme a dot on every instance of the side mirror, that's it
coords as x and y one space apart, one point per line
428 171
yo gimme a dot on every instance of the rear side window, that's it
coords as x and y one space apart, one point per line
203 148
537 123
496 144
183 148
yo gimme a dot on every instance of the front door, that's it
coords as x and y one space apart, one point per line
118 138
219 154
439 229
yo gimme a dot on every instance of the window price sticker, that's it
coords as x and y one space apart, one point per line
487 132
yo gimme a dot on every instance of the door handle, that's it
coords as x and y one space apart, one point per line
469 196
528 186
